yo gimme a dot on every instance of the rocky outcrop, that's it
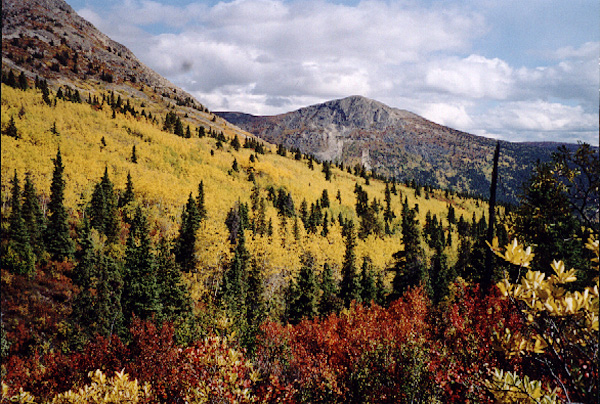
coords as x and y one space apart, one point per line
396 143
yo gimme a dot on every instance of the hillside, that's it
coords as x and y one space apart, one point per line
170 167
398 144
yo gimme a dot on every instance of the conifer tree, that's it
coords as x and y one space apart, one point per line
103 208
325 199
133 155
23 81
409 263
58 239
329 301
327 170
173 295
33 217
367 281
325 230
302 302
235 143
350 286
96 309
18 255
186 241
108 315
234 285
388 214
255 305
200 203
82 314
140 291
129 194
11 129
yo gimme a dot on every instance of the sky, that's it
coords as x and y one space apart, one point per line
507 69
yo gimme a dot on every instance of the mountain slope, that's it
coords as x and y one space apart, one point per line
397 143
47 38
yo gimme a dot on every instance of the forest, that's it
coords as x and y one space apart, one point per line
148 260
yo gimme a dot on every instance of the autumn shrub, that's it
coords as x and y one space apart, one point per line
362 355
559 337
461 355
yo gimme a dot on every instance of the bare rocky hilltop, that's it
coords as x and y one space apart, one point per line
398 144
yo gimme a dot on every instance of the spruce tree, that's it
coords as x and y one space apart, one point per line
140 291
409 263
103 208
388 214
329 301
185 245
129 194
304 303
23 81
33 217
108 314
133 155
234 285
235 143
11 129
255 305
200 203
367 282
58 239
18 255
349 286
82 314
173 295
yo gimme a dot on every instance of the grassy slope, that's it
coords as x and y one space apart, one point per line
169 168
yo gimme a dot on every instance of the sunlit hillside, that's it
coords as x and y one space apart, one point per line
170 167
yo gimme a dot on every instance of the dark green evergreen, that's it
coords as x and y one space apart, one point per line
303 293
11 129
173 295
235 143
33 217
255 305
58 239
200 203
409 264
349 286
329 301
234 285
103 209
108 313
368 291
185 244
140 292
18 255
129 194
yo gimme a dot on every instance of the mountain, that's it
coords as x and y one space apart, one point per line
398 144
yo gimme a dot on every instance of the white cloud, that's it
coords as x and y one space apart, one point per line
473 77
454 116
273 56
535 120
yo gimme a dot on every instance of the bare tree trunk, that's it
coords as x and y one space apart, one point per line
489 262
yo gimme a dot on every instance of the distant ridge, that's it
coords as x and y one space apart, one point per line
399 144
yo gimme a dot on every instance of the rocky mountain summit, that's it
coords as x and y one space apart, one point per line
397 143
